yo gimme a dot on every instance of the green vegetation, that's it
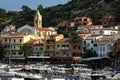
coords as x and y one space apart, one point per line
2 52
76 41
56 14
90 53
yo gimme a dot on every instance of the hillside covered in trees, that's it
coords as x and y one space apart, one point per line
52 16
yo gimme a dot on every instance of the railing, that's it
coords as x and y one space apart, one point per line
7 42
63 48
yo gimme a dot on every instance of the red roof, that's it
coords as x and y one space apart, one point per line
44 29
14 36
33 42
64 40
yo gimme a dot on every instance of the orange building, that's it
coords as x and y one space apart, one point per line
108 21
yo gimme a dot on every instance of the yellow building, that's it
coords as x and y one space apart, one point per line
37 30
63 48
13 44
50 44
43 33
62 52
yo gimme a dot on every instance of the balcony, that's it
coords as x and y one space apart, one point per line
16 42
5 42
63 48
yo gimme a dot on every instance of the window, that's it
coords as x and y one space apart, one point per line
64 53
14 47
5 40
74 47
95 45
58 45
100 54
14 40
84 23
5 46
20 40
85 19
56 53
84 42
30 47
37 48
73 54
100 48
78 47
103 48
67 45
48 33
91 41
63 45
41 48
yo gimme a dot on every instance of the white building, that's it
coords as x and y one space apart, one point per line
8 29
26 29
104 31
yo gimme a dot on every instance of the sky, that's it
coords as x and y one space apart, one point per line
15 5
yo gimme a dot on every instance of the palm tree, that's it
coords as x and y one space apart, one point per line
75 41
26 51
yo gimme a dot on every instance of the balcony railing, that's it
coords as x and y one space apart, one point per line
63 48
7 42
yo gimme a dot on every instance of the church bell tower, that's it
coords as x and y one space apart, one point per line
38 19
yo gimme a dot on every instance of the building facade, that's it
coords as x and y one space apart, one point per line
13 44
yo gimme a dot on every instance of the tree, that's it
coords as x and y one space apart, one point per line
1 52
26 9
90 53
2 13
75 41
25 50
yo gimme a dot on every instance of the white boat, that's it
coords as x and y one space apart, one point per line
58 78
60 69
81 69
9 76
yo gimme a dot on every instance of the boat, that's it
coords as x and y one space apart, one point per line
60 69
10 76
98 76
81 69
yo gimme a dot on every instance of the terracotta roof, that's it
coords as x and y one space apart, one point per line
103 39
108 16
44 29
14 36
95 35
33 42
85 34
64 40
